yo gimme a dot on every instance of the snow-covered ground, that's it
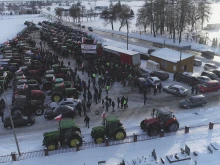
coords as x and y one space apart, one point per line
198 139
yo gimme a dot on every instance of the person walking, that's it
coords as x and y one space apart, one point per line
196 88
159 87
125 103
2 115
113 106
192 89
122 102
118 100
106 105
110 101
84 95
103 103
155 90
88 105
84 110
107 88
86 120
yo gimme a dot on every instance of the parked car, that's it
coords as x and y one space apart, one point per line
203 79
150 51
210 86
176 89
144 56
142 84
67 101
208 54
216 71
18 120
90 29
193 101
143 73
153 81
209 66
186 78
197 62
65 110
83 26
162 75
211 75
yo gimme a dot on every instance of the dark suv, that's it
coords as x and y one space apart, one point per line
211 75
162 75
186 78
193 101
18 120
142 84
216 71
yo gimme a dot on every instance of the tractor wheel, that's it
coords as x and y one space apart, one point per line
99 140
142 125
152 131
56 97
17 111
47 86
119 135
39 112
173 127
52 146
73 140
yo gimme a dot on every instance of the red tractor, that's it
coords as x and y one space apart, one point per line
162 119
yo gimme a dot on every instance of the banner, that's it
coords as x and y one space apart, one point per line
88 48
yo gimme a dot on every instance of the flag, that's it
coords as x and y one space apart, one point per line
54 79
0 67
58 118
103 115
62 85
18 71
23 76
94 41
83 40
24 86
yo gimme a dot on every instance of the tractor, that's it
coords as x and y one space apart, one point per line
164 119
31 102
68 134
112 127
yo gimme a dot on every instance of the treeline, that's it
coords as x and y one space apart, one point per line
173 17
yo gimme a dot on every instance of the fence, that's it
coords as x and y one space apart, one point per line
128 139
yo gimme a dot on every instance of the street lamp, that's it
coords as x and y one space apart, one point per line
12 124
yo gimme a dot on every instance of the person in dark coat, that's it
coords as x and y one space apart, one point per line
113 106
118 100
196 88
155 90
110 101
84 110
88 105
106 105
86 120
2 115
159 87
84 95
192 89
122 101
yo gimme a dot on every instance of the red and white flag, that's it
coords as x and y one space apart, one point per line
54 78
58 118
103 115
23 76
18 71
62 85
25 86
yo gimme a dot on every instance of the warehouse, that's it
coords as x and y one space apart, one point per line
169 60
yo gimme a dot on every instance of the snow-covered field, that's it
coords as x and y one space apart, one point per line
198 139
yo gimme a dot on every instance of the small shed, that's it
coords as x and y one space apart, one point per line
152 65
169 60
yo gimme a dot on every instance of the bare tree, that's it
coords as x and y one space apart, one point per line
59 13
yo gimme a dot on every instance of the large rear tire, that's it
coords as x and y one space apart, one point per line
173 127
56 97
142 125
73 140
119 135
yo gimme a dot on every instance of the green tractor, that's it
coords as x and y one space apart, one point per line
68 134
112 128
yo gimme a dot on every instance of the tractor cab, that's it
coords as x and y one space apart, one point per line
112 123
164 114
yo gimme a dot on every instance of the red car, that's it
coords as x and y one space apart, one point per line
210 86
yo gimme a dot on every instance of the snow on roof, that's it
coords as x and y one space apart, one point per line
116 49
170 55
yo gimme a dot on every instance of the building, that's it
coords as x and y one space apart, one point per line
169 60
